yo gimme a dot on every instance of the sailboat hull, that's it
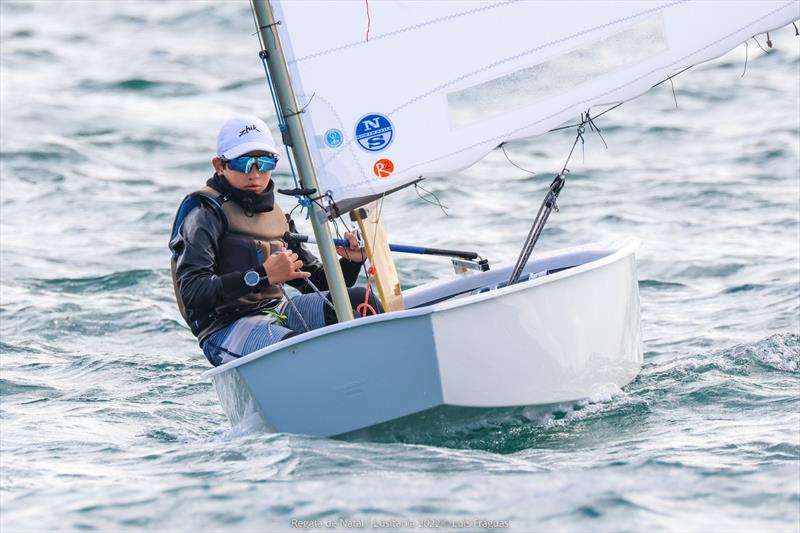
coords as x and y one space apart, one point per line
464 342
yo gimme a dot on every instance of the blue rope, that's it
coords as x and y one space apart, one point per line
304 202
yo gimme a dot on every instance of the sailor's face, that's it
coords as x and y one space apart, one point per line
253 181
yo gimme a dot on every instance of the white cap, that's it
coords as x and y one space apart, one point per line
244 134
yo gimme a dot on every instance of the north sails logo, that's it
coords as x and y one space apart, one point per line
248 129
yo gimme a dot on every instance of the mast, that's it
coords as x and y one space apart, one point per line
276 62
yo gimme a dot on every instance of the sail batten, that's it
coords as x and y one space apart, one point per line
443 83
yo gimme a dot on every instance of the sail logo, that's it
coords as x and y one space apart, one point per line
334 137
374 132
383 168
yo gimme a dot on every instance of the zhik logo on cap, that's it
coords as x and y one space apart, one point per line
248 129
244 134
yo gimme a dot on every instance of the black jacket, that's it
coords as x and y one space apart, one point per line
203 288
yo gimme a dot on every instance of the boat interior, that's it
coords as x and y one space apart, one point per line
496 278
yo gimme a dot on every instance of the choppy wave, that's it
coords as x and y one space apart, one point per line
659 285
155 88
116 281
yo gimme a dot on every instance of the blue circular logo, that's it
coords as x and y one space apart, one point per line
334 137
374 132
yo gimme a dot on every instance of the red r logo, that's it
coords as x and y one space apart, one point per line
383 168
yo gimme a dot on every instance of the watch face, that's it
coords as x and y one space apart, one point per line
251 278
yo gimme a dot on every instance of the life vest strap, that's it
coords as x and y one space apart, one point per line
190 202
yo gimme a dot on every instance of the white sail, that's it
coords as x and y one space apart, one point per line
394 91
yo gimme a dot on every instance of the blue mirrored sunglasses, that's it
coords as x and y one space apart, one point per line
245 163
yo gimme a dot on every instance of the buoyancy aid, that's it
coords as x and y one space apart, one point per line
247 243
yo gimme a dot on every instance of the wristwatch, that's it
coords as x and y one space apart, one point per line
251 278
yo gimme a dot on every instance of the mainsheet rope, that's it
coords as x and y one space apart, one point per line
365 307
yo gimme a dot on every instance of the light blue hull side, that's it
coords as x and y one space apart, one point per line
334 383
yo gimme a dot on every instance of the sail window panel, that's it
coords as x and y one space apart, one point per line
560 74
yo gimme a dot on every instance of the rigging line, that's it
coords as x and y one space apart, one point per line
304 203
271 26
533 235
612 108
264 27
363 263
319 293
294 306
344 222
570 126
594 127
759 45
303 109
281 125
549 204
366 270
334 209
346 227
264 54
336 228
379 207
578 137
746 57
503 147
255 23
307 202
586 118
674 97
295 207
437 203
668 78
332 205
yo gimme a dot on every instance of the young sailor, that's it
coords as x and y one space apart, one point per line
230 263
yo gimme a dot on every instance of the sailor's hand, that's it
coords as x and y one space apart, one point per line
284 266
352 252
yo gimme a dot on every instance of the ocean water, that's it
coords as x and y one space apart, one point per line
108 116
